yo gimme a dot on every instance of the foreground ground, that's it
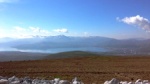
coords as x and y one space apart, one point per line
88 69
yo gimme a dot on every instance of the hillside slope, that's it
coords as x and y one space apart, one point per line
71 54
94 69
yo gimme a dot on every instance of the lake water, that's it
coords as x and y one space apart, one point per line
57 50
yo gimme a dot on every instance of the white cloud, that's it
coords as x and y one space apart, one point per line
8 1
38 30
1 33
4 33
19 29
63 30
138 21
35 29
29 32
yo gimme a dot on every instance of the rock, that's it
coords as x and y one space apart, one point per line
15 82
76 81
146 82
130 83
56 80
123 82
139 81
64 82
14 78
27 80
3 81
106 82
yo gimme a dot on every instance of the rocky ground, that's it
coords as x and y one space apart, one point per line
28 80
90 70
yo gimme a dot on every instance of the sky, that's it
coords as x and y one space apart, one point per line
121 19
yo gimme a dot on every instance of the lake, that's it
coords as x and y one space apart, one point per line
57 50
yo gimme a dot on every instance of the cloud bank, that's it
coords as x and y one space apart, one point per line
63 30
29 32
138 21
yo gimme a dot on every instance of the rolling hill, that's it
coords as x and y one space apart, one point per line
71 54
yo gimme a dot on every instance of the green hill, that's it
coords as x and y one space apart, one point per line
70 54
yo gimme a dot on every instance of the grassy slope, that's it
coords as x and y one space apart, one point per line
95 69
16 56
70 54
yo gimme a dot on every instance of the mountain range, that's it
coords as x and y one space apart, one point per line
125 46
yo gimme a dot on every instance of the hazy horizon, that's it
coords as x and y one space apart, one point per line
38 36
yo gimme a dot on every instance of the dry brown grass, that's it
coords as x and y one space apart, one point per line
88 69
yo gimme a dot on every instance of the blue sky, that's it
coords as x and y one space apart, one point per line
110 18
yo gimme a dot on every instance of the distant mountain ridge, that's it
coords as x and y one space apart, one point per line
56 41
50 42
66 42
